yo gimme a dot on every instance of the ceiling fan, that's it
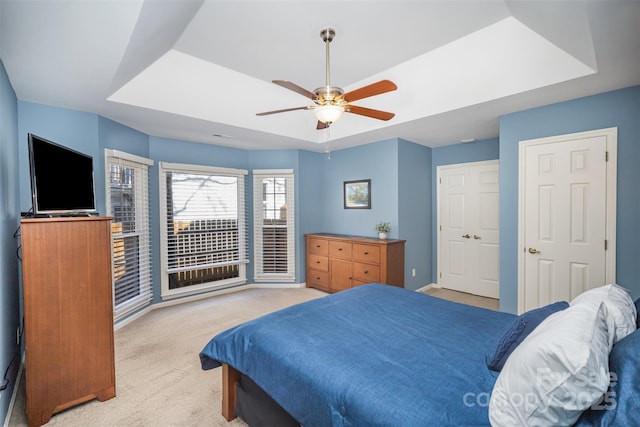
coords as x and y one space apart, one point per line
331 101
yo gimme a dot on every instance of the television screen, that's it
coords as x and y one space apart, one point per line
61 179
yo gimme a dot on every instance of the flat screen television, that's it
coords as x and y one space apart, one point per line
61 179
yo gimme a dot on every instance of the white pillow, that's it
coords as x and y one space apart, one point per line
556 373
621 309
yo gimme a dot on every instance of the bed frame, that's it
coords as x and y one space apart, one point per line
230 379
243 398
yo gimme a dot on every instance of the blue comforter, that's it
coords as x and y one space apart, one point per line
372 355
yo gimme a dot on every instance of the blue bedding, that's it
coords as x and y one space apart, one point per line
372 355
621 406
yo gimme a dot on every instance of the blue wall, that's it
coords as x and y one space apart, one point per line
319 180
619 109
392 166
10 294
378 162
487 149
414 211
309 191
71 128
118 137
400 194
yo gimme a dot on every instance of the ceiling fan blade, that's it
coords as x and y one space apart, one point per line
369 112
377 88
294 87
321 125
266 113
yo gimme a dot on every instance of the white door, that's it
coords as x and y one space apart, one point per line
468 231
563 213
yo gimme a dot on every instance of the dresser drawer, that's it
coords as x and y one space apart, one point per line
318 262
366 272
319 246
366 253
318 278
355 283
340 250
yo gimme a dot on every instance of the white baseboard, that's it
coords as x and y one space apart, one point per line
192 298
278 285
15 392
429 286
137 315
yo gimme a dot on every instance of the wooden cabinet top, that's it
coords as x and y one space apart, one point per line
67 219
355 238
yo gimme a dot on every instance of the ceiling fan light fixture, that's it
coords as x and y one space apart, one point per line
331 101
328 113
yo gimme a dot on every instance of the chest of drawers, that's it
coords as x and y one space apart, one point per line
337 262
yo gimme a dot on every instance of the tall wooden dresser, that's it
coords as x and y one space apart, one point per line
68 313
337 262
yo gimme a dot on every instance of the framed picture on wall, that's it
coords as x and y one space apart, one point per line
357 194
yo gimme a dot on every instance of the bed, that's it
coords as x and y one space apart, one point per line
381 355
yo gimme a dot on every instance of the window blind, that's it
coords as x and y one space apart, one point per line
127 196
204 228
274 225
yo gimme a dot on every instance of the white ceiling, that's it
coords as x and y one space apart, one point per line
188 69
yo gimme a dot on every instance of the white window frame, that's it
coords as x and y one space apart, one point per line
240 174
142 224
258 212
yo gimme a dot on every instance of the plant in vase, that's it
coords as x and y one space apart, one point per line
383 228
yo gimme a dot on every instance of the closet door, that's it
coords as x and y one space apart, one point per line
468 228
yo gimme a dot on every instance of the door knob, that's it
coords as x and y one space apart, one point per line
533 251
475 236
466 236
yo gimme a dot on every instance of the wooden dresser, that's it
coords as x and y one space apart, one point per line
337 262
68 313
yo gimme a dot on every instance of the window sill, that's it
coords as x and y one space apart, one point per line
201 289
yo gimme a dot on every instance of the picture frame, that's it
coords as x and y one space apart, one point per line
357 194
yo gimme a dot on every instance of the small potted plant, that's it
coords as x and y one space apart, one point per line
383 228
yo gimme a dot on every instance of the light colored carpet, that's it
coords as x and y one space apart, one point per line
158 377
464 298
159 381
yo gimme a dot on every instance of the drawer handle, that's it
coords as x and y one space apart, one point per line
366 253
366 272
339 249
317 246
317 278
317 262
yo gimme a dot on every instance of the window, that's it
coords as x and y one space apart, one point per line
203 226
274 225
128 202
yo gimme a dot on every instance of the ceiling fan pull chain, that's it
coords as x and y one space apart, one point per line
327 141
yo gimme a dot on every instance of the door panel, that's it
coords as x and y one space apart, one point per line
457 260
456 211
489 262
